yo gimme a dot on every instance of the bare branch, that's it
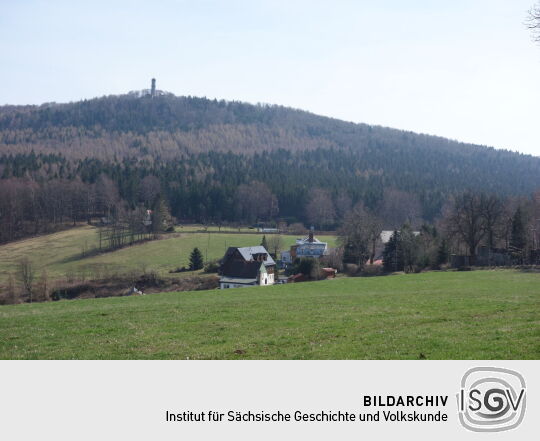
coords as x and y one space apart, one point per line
533 22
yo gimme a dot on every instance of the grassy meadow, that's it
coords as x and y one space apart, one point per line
436 315
61 253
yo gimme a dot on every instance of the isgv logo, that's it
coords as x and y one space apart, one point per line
491 399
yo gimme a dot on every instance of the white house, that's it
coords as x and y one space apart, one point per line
309 246
387 234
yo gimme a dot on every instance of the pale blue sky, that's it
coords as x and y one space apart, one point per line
467 70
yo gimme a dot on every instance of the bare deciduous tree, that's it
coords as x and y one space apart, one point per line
297 228
400 207
107 196
334 259
43 287
492 211
12 290
255 201
358 235
26 276
533 21
320 208
149 189
374 227
275 243
282 227
535 220
466 220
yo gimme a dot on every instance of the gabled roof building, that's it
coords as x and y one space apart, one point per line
246 266
309 246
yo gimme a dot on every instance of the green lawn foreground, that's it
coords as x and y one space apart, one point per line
437 315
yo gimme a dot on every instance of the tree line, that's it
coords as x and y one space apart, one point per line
217 161
29 207
40 192
506 229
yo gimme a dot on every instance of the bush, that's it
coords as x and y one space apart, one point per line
424 261
351 269
150 278
9 296
464 268
182 269
5 299
297 228
372 270
211 267
334 259
43 288
305 266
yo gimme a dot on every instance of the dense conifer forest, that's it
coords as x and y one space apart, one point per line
218 161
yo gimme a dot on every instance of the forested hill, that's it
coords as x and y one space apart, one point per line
202 125
203 150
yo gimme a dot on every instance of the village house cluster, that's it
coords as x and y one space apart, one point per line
254 266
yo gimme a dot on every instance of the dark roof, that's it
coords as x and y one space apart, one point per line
244 270
247 253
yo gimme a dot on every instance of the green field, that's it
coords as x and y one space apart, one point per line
60 253
437 315
213 228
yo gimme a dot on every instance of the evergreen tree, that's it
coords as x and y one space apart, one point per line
195 260
305 266
355 253
409 248
392 254
264 243
349 254
518 239
161 216
443 252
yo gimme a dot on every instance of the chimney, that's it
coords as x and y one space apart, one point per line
153 89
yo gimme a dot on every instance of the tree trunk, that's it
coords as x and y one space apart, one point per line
472 255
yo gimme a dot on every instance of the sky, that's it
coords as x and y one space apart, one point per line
463 69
